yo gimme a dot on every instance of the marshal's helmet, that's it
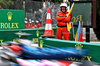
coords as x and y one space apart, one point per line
63 5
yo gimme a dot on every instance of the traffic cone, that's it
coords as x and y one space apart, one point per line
48 27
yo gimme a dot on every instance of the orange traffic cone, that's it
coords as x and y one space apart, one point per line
48 27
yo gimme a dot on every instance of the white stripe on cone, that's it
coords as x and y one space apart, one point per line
48 27
48 16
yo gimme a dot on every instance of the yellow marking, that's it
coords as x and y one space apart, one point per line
9 15
37 33
78 46
89 58
41 43
35 40
20 35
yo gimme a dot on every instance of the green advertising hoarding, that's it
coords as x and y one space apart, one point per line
82 11
11 19
92 53
9 35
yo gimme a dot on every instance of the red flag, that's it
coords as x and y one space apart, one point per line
80 38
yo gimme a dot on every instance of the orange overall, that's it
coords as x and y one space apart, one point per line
40 25
62 20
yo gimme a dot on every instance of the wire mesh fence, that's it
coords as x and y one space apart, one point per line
37 12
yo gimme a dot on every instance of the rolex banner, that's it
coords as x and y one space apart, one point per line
11 19
92 50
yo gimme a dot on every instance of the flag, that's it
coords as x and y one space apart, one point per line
78 34
68 24
79 31
80 38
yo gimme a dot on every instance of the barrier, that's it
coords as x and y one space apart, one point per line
93 48
9 35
